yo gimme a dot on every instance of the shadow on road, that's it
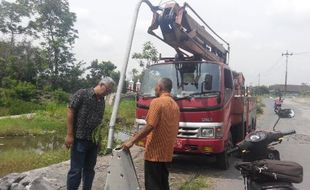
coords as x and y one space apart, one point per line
203 165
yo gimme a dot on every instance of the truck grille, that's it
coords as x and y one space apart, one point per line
188 132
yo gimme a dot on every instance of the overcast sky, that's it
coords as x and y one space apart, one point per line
259 31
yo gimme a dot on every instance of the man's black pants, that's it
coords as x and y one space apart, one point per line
156 175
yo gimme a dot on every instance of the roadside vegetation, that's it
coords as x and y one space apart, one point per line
195 183
306 94
38 72
17 160
51 121
260 105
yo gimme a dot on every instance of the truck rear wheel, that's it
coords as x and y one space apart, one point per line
222 159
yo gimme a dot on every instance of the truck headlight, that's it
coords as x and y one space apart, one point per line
207 132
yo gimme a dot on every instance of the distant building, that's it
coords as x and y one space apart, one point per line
291 89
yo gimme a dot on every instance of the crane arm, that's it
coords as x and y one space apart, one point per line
182 32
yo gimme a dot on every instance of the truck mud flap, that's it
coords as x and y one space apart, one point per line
121 172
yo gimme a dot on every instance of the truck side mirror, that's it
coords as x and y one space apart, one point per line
208 82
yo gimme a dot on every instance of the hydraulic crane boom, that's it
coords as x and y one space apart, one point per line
182 32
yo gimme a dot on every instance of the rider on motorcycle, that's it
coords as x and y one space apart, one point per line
278 102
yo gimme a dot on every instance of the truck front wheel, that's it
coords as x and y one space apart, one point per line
222 159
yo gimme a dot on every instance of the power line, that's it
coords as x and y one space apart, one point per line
301 53
270 70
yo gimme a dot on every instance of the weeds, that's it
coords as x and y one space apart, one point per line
196 183
259 106
39 124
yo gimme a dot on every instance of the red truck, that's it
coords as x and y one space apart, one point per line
216 112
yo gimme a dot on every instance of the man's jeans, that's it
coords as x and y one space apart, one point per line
83 161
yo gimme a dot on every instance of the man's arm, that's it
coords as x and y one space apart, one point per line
74 105
152 120
139 136
69 138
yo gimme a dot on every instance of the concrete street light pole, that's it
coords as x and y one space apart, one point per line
123 74
286 61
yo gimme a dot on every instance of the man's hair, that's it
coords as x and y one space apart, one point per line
166 84
107 81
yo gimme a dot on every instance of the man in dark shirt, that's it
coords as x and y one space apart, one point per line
85 113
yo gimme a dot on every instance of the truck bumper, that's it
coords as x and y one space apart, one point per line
199 146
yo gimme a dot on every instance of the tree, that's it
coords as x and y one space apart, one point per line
136 75
134 72
11 16
148 56
55 23
98 70
72 79
18 59
51 64
25 64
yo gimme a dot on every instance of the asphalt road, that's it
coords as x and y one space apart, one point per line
293 148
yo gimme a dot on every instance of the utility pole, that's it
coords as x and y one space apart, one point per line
286 62
258 79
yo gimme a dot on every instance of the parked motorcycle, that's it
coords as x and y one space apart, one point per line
261 167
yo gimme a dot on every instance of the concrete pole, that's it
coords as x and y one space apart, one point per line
121 80
286 63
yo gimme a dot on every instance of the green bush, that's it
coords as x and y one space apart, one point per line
60 96
4 111
7 82
13 90
17 107
260 106
25 91
306 93
10 106
55 110
6 95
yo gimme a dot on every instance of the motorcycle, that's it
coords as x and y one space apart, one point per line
277 107
261 167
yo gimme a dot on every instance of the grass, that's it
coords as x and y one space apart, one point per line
126 114
196 183
52 120
23 160
124 121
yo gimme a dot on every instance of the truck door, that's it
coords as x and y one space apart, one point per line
228 85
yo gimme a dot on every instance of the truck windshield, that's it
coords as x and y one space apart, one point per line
187 78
